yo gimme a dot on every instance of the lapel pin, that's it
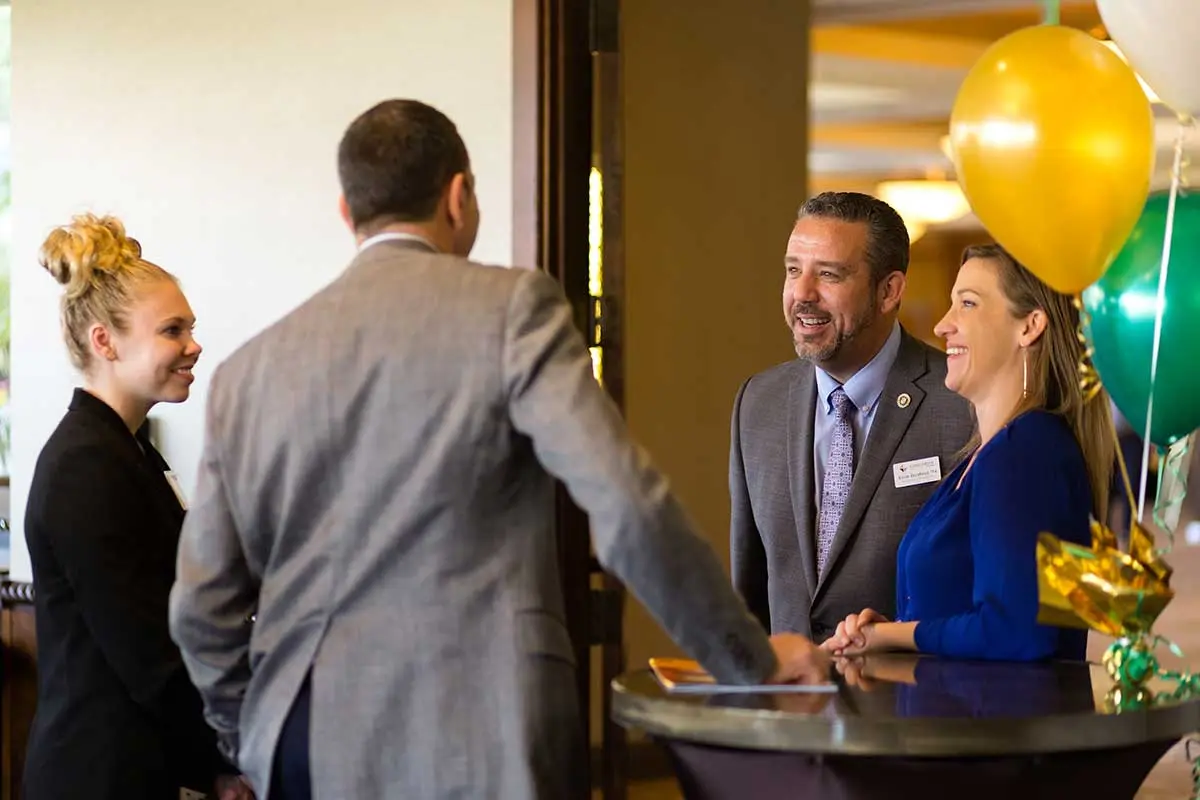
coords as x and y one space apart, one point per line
903 400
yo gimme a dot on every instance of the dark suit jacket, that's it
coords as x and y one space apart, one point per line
773 527
117 715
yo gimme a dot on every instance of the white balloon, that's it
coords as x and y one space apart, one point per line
1161 40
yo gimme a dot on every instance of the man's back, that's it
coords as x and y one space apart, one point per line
380 454
371 435
400 524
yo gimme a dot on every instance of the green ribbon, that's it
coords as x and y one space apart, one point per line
1050 15
1131 662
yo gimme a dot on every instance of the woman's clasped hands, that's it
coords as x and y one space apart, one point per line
856 635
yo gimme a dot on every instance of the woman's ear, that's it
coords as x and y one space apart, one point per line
1034 327
101 342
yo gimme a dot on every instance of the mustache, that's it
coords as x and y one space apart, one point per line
809 310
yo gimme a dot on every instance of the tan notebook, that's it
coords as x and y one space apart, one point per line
684 676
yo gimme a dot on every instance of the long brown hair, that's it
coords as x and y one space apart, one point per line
1054 374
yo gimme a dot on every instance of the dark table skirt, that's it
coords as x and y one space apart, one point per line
714 773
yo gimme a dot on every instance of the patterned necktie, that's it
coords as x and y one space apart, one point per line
839 469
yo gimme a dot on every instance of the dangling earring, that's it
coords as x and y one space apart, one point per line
1024 373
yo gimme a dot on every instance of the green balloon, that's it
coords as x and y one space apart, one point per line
1122 308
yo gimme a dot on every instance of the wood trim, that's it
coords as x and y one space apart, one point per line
608 156
18 682
564 148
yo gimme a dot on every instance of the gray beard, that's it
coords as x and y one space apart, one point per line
860 324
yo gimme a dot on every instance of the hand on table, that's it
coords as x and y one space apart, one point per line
800 661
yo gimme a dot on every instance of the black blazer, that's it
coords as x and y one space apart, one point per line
117 715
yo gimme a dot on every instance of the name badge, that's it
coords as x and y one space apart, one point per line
914 473
176 488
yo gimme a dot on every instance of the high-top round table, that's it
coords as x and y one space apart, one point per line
912 727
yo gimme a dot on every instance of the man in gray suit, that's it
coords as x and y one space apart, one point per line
369 563
833 454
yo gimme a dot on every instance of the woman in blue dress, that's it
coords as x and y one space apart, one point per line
966 577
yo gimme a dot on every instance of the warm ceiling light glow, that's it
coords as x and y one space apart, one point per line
924 203
1150 93
915 229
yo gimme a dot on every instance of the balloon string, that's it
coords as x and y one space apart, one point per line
1123 471
1050 15
1160 307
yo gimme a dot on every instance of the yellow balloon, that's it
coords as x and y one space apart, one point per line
1053 140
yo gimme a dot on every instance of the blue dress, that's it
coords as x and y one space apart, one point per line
967 566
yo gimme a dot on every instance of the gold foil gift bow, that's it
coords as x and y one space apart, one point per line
1100 587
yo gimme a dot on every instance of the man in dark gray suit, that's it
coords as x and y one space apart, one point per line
833 454
376 494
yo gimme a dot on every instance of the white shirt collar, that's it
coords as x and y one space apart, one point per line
394 236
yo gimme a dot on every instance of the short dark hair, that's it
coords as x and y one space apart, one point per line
395 160
887 236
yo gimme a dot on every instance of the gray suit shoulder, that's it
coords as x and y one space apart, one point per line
934 379
473 281
935 358
950 411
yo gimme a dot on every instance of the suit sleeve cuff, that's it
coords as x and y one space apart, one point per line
766 662
747 658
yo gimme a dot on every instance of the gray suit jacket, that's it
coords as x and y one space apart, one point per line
773 528
375 505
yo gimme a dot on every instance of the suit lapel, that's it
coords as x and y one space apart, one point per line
887 430
802 401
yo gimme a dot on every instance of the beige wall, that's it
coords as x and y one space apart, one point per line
715 155
212 128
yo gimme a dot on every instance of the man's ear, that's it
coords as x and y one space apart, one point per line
344 213
458 200
891 291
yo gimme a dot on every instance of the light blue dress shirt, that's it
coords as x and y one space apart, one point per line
864 389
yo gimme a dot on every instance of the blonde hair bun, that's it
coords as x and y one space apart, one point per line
75 253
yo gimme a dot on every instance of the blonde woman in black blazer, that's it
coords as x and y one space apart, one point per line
117 715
